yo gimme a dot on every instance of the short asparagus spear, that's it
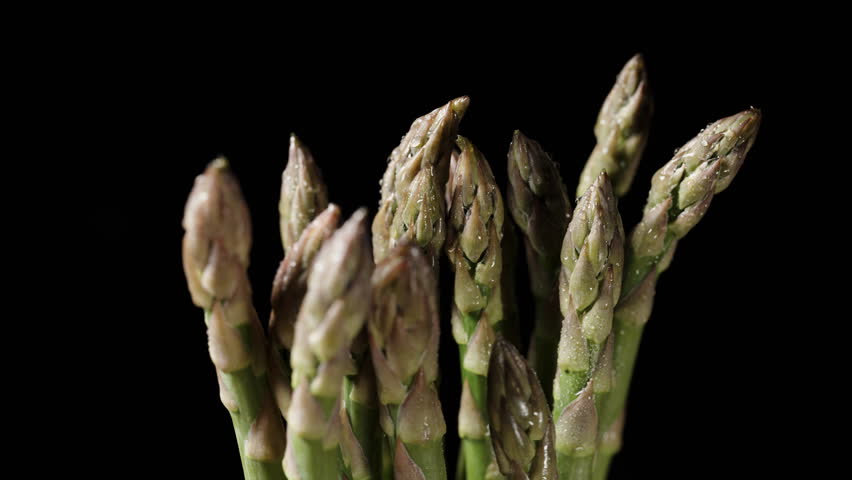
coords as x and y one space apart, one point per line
589 287
288 291
681 192
521 426
303 193
473 247
621 130
216 247
333 313
538 201
404 335
412 203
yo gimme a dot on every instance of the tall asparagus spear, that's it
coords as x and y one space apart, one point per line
621 129
333 312
473 247
412 203
681 192
404 335
521 425
216 247
589 287
303 193
538 201
288 291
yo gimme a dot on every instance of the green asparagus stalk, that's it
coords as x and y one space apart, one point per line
473 247
589 288
333 313
538 201
361 440
681 192
404 335
288 291
303 193
216 247
521 426
621 130
412 203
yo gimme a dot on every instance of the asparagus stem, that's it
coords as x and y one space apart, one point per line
589 287
473 247
216 246
362 415
539 204
681 192
404 336
621 130
332 315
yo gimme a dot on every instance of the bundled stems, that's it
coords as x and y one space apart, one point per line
216 246
681 192
333 313
473 247
590 284
539 204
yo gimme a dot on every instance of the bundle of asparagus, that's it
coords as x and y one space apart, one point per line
351 360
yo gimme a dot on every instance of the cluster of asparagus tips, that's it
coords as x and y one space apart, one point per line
473 248
404 335
521 426
216 247
412 202
333 312
539 204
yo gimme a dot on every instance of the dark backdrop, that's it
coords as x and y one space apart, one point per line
163 110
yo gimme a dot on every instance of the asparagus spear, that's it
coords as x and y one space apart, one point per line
412 203
521 426
681 192
216 247
589 287
538 201
404 335
621 129
511 317
288 291
303 193
473 247
333 312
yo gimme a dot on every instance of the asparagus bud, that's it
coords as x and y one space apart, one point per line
621 129
303 193
538 201
412 203
521 425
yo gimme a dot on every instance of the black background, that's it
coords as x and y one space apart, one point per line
704 388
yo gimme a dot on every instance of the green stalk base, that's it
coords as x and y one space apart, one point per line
365 426
477 456
430 458
313 461
575 468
